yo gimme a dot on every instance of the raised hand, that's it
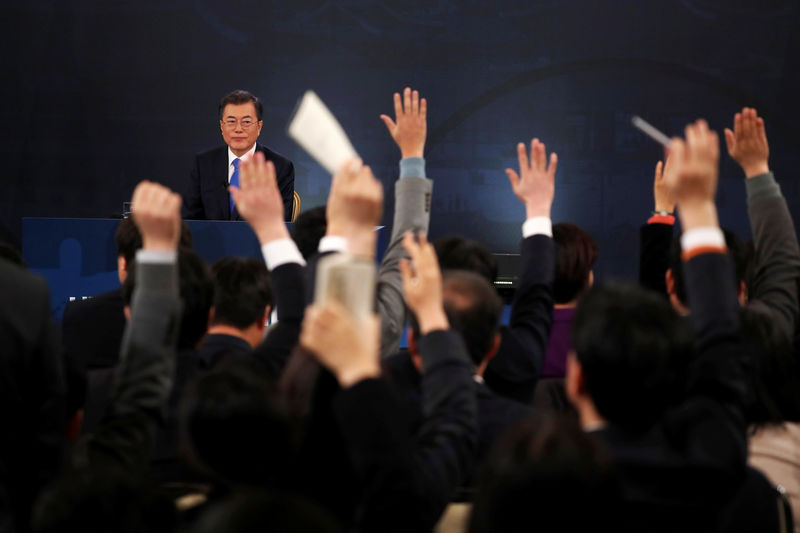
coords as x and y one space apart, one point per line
747 143
258 198
411 128
693 178
661 197
422 283
157 213
347 347
355 205
535 183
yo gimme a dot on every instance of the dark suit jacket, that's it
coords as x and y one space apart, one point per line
682 473
31 392
92 329
513 372
217 347
206 197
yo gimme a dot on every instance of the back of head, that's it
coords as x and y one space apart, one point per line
241 291
129 239
250 511
576 253
736 249
102 499
12 254
549 460
196 291
239 97
633 349
473 308
235 424
458 253
309 229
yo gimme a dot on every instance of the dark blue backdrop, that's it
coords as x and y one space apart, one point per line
98 95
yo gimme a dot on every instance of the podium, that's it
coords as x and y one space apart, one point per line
78 256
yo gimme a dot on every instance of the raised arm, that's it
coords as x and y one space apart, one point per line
774 286
412 211
515 369
261 203
144 377
655 237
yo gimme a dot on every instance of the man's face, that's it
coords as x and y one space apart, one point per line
240 127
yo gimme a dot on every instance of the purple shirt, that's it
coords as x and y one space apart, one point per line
555 360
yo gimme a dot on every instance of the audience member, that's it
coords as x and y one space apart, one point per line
242 304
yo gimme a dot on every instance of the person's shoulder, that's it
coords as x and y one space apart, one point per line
24 281
212 153
272 155
101 304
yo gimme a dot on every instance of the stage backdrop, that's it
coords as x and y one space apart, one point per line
97 95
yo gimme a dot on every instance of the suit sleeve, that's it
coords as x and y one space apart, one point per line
655 240
138 404
192 207
286 186
288 286
774 286
411 213
515 369
412 479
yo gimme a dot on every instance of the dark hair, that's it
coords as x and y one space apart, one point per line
248 511
736 249
241 291
633 349
197 293
102 499
550 460
235 424
12 254
458 253
239 97
473 309
309 229
773 369
129 239
576 253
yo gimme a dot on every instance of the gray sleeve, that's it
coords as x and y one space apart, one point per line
776 272
412 211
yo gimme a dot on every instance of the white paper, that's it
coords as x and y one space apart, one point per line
315 128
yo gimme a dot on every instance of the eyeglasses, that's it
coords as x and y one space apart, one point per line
245 123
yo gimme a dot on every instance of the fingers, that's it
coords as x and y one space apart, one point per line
659 174
730 141
761 129
407 100
522 156
415 102
406 272
513 178
390 125
398 106
423 108
553 163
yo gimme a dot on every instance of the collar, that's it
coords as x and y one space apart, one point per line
245 157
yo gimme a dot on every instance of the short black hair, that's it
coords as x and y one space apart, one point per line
457 253
736 249
254 510
129 239
196 291
12 253
309 229
576 253
235 424
550 460
241 291
239 97
473 309
633 349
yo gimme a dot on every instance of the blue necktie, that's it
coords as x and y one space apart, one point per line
234 181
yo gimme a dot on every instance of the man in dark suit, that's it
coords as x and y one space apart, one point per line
31 394
240 120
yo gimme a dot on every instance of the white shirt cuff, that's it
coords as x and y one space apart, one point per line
537 226
332 243
281 252
168 257
707 236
